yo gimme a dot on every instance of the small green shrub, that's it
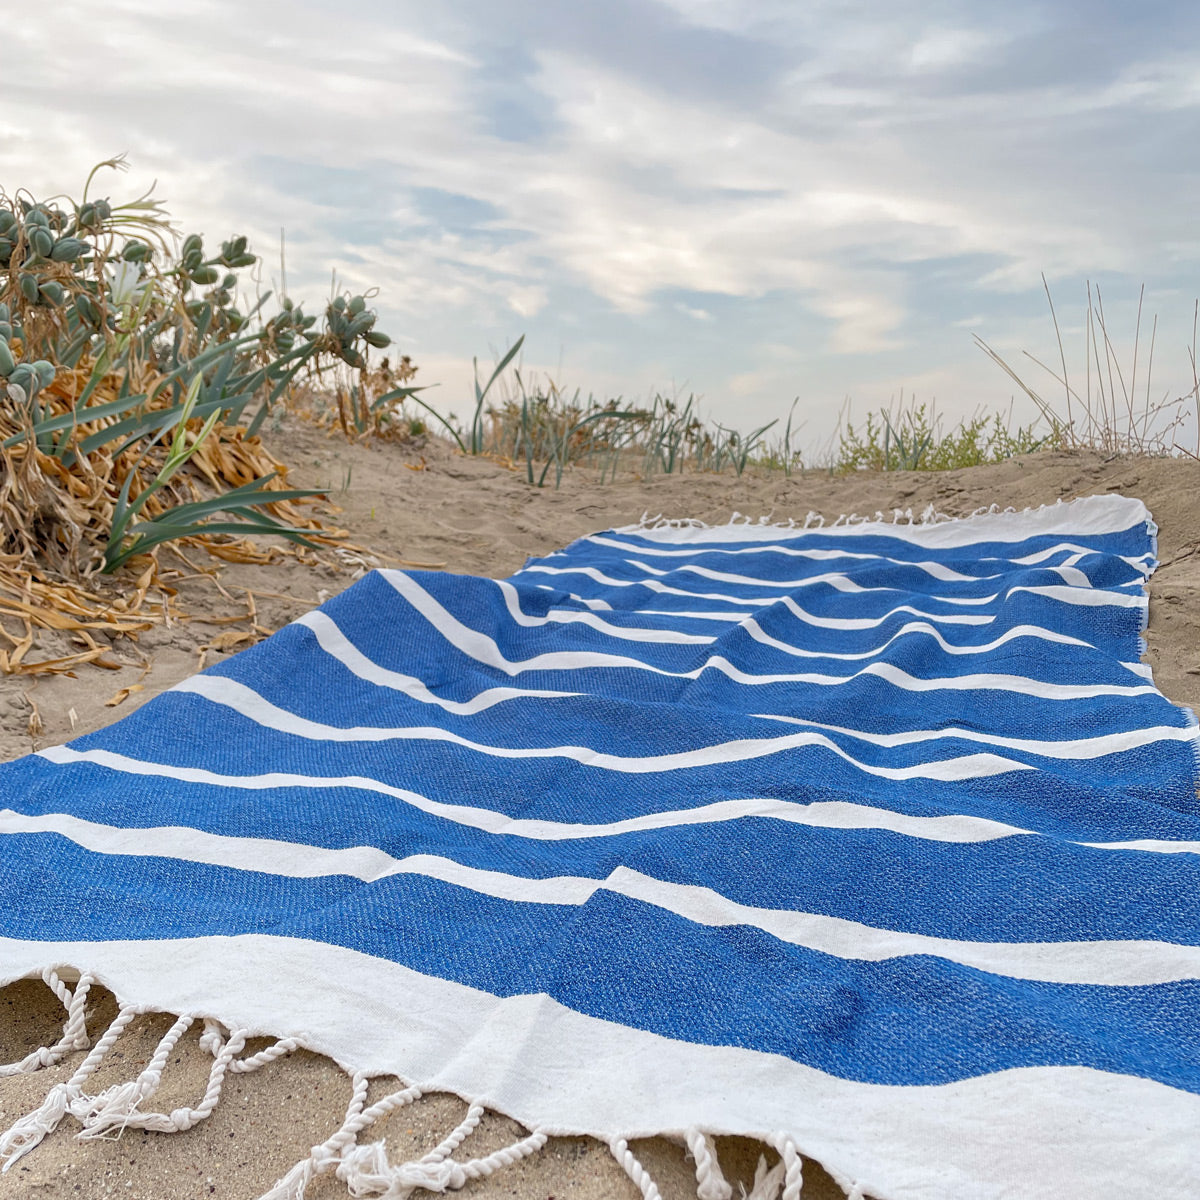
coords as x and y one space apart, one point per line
126 359
913 439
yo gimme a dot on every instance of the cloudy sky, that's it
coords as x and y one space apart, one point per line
751 200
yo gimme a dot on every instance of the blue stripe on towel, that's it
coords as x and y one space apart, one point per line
736 986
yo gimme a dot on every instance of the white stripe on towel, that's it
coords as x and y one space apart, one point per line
484 649
1076 552
1115 962
822 814
335 643
256 708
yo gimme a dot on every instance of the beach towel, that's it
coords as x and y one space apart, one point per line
873 840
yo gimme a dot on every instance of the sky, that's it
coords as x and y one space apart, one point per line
749 200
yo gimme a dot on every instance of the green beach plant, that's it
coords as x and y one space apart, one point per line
913 437
126 358
542 427
539 428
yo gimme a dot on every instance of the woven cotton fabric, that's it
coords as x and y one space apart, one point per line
879 836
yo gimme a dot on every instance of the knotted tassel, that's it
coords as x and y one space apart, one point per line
74 1029
27 1132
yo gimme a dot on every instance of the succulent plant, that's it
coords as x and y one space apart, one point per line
110 346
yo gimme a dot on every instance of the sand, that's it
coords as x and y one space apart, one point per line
425 504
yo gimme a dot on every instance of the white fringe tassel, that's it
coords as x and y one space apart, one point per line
793 1173
109 1113
320 1158
767 1181
929 515
634 1169
710 1183
366 1170
74 1036
27 1132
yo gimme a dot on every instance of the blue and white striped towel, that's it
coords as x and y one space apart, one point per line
875 839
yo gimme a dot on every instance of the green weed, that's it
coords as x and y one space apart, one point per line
913 438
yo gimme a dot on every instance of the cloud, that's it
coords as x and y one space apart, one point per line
939 48
665 190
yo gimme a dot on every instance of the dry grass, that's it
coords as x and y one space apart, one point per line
1115 409
55 520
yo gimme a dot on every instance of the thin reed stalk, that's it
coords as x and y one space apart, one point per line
1107 416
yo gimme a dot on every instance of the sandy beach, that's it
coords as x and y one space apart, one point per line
421 503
